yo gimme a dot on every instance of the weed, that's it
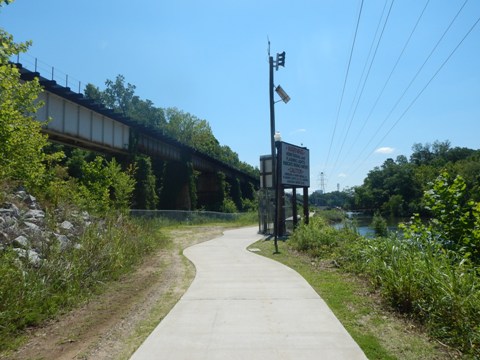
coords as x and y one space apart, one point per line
415 276
107 250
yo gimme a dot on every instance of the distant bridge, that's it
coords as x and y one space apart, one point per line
81 122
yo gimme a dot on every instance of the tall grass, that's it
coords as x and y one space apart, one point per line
421 279
333 216
29 295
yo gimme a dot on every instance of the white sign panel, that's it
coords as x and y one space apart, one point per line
266 176
295 165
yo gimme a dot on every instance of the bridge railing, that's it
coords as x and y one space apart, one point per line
50 72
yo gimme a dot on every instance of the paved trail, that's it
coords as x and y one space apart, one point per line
245 306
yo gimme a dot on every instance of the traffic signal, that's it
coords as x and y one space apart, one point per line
280 60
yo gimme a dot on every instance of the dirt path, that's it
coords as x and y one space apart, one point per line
112 325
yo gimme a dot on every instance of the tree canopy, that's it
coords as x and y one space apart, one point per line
21 155
180 125
397 187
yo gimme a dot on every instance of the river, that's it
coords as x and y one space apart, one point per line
363 223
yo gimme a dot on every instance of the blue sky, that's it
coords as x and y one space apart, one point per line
209 58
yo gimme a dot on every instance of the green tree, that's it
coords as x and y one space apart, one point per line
94 93
145 189
456 218
146 113
118 96
122 185
379 225
236 192
181 126
391 188
103 185
21 155
192 131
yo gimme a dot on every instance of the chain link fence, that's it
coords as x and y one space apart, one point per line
184 216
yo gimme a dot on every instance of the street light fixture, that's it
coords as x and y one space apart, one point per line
277 137
280 61
283 95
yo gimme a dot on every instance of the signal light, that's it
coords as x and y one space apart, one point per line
280 60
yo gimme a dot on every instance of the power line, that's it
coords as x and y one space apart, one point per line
364 84
368 57
411 82
429 81
345 82
426 85
389 77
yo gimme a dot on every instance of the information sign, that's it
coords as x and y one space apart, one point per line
295 165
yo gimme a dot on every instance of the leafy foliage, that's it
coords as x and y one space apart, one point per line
379 225
318 237
108 249
431 272
145 189
21 155
181 126
396 188
333 199
455 221
98 185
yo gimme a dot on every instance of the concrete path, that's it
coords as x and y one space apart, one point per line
245 306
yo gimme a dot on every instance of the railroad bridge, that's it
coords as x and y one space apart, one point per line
81 122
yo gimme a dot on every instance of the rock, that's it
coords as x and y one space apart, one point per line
31 226
22 253
63 240
21 194
66 225
10 225
78 246
9 209
34 258
3 238
31 201
35 216
21 241
86 216
30 255
28 199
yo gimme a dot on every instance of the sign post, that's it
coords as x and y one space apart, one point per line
294 171
295 167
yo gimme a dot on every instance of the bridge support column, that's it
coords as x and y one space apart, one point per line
176 191
210 191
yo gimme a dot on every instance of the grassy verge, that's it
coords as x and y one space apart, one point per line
31 294
98 273
379 333
164 304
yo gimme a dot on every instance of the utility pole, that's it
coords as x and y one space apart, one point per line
280 61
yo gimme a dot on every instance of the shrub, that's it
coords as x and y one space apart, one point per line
314 238
21 155
108 249
430 272
379 225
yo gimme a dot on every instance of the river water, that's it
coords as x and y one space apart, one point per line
363 223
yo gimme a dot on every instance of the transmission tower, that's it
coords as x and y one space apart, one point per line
322 182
